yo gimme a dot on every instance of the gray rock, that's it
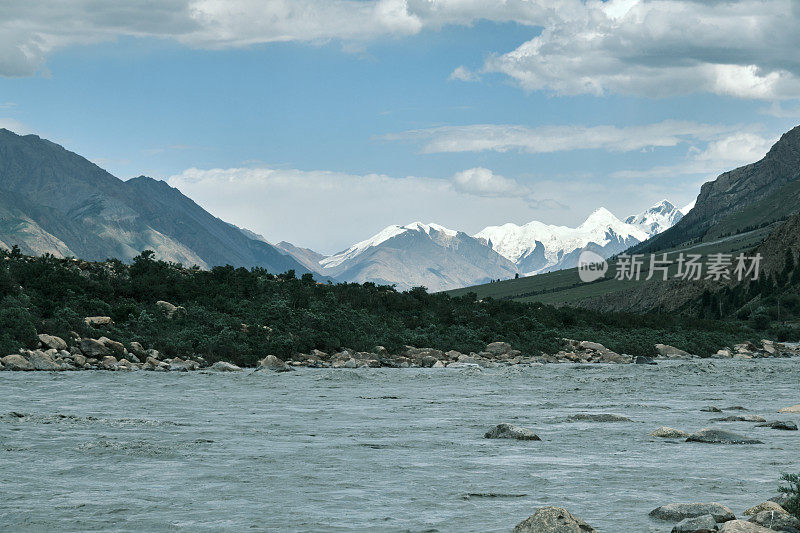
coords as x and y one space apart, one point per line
588 345
97 321
768 505
224 366
720 436
16 362
605 417
350 363
167 308
42 361
676 512
138 350
790 409
553 520
665 350
640 360
510 431
698 524
740 526
740 418
711 409
428 361
666 432
271 362
109 362
51 341
116 348
94 348
498 348
779 424
777 521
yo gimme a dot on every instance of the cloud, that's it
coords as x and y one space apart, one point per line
32 29
744 48
719 156
777 110
463 74
14 125
328 211
547 139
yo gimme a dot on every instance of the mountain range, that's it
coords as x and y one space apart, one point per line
440 258
55 201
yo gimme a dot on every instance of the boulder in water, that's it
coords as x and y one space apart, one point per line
711 409
510 431
791 409
720 436
224 366
666 432
696 524
553 520
271 362
740 418
675 512
779 424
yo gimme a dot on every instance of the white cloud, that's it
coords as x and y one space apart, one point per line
462 73
546 139
14 125
777 110
744 48
718 156
328 211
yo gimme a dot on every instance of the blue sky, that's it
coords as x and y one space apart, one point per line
322 122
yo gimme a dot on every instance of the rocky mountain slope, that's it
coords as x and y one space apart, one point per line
419 254
749 187
55 201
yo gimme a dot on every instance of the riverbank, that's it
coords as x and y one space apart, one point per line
56 354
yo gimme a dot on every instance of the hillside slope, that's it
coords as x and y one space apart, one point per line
55 201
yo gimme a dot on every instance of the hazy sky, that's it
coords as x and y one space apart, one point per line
322 121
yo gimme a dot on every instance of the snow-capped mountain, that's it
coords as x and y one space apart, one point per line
658 218
419 254
536 247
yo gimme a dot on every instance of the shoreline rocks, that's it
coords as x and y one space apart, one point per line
666 432
675 512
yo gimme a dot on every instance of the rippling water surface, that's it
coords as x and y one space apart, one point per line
381 449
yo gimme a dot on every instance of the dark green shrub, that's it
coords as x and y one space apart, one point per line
792 490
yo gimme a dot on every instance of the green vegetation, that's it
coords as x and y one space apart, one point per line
792 490
241 315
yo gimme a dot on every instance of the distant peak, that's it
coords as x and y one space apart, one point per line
664 204
600 215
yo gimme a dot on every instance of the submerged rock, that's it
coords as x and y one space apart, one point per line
791 409
675 512
696 524
740 418
510 431
605 417
667 432
711 409
779 424
720 436
642 360
553 520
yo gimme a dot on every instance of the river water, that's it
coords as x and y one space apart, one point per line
381 449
